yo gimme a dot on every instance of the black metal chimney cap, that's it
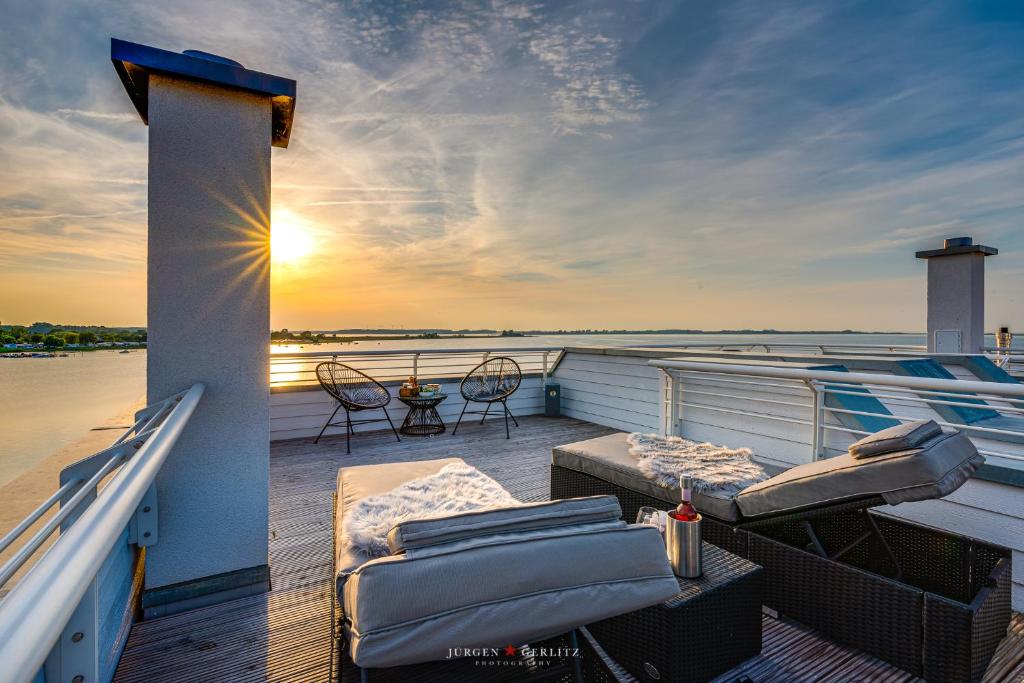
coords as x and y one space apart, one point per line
134 62
954 246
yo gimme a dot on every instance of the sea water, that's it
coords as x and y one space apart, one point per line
50 402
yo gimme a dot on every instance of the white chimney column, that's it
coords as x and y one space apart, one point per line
211 126
956 296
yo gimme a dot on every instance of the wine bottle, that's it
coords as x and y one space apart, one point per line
685 511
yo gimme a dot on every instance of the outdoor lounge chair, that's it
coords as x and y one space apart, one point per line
493 381
354 391
932 466
865 579
486 579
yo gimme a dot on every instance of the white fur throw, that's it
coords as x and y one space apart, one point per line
666 459
455 488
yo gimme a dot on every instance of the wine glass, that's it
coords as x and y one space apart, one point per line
651 516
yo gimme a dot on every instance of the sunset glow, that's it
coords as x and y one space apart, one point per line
544 165
291 238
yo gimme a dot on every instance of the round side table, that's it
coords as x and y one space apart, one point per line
422 419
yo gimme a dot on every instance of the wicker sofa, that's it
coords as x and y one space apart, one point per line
933 603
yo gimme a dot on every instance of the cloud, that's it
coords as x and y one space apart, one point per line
590 89
666 163
592 264
527 276
387 202
98 115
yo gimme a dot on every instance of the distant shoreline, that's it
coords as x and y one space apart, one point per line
391 337
359 334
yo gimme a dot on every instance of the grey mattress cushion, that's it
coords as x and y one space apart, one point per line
933 470
427 532
512 587
608 458
901 437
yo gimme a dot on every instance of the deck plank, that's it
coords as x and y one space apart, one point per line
284 635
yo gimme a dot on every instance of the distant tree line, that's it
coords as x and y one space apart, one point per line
56 336
308 336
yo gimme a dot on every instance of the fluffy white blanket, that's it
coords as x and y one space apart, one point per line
455 488
666 459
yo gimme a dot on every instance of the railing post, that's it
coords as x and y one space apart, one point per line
78 647
817 419
415 365
669 405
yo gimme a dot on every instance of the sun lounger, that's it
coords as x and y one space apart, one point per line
865 579
488 579
920 470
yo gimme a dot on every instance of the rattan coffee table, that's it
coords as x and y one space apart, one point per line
711 626
422 418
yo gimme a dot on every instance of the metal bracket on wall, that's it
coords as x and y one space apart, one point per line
142 529
84 470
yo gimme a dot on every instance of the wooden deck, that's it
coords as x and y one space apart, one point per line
284 635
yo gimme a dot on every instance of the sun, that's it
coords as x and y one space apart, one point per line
291 238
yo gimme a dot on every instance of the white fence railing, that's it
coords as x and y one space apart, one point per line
299 368
794 399
54 608
290 369
806 347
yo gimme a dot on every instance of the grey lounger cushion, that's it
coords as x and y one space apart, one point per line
512 579
934 469
938 467
608 458
901 437
427 532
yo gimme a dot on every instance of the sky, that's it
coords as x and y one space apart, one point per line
592 164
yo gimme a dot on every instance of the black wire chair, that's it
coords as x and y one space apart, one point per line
354 391
493 381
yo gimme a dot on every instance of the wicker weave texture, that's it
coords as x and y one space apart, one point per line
942 617
566 483
712 626
350 387
493 380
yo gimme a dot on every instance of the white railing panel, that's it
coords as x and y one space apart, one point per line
779 406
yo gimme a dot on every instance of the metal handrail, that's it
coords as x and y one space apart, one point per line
953 386
30 547
933 392
768 345
410 352
38 608
34 516
535 349
297 369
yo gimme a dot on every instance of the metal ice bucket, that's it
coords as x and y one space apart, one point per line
683 544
